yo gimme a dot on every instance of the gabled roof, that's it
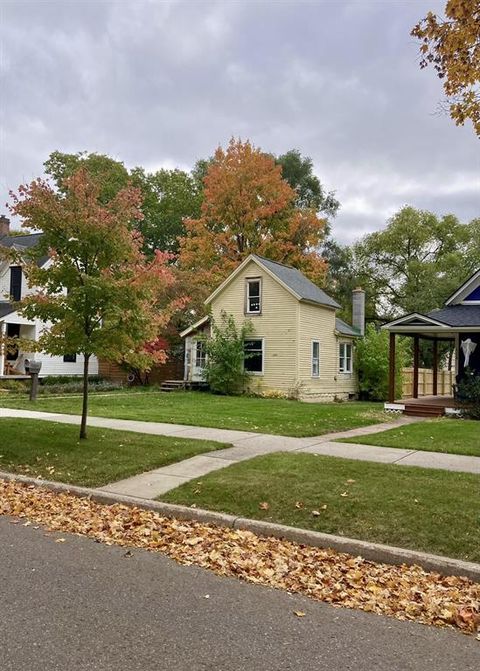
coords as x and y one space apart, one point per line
465 290
23 242
290 278
194 327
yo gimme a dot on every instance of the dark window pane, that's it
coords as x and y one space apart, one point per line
16 283
70 358
253 356
253 296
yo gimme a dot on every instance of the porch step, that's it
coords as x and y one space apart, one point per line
417 410
172 385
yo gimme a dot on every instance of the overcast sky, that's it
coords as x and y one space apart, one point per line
157 84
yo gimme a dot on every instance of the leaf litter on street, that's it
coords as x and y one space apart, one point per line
403 592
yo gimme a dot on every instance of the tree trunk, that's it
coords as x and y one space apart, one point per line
83 425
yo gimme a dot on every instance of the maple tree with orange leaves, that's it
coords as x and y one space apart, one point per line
247 209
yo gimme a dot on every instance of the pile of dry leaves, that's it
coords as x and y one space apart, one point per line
404 592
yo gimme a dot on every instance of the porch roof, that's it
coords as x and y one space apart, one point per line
5 308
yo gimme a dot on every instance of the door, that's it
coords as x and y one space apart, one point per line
199 357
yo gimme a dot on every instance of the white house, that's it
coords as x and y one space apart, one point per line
13 287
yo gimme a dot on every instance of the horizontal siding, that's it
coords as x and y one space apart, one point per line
318 323
277 324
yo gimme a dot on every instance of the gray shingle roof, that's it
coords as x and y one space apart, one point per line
6 308
298 283
345 329
457 315
24 242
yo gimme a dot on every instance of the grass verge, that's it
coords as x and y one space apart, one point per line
53 451
277 416
420 509
452 436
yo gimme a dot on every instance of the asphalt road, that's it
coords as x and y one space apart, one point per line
80 605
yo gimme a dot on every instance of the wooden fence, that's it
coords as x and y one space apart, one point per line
445 380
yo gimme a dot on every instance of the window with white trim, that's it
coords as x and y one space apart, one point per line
254 351
254 296
200 354
345 357
315 358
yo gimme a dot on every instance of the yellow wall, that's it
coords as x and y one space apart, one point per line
318 323
288 327
277 324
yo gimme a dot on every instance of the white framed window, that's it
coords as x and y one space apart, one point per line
200 354
254 360
315 358
345 357
253 301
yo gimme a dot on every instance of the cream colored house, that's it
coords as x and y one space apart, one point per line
299 346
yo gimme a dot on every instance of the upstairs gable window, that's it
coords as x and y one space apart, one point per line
254 296
16 283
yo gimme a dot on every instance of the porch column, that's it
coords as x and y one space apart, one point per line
391 373
435 367
416 359
2 348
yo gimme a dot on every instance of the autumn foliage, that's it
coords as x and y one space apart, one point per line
99 293
248 208
452 46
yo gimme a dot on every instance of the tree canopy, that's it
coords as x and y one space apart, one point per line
248 208
98 294
452 46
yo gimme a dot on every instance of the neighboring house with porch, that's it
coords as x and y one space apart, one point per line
457 322
298 346
13 287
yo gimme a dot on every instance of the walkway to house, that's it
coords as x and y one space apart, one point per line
246 445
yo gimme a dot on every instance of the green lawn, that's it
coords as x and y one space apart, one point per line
281 417
430 510
53 451
455 436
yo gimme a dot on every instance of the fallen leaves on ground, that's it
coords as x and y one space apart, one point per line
404 592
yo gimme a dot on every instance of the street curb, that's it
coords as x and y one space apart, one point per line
375 552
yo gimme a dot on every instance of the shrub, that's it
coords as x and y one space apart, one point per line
373 364
224 369
469 394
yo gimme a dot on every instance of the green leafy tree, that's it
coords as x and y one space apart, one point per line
297 170
224 370
469 394
169 197
372 358
98 294
416 262
109 175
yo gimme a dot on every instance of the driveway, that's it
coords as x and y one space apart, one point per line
85 606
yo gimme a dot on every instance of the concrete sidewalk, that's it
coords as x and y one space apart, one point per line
246 445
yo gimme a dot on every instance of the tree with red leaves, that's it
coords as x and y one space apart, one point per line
98 293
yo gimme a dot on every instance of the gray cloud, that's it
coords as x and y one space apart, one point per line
163 83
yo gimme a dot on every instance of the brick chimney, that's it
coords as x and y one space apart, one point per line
4 225
358 309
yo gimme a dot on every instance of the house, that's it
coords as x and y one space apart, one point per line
299 346
457 322
13 287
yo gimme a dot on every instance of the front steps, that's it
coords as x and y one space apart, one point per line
419 410
172 385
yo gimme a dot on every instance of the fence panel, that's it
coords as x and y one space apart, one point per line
446 378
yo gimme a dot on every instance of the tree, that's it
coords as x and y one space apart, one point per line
224 370
372 358
169 197
297 170
110 175
248 208
452 46
99 293
416 262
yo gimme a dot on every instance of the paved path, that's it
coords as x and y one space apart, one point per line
246 445
85 606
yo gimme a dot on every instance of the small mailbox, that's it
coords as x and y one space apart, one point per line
34 367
